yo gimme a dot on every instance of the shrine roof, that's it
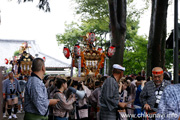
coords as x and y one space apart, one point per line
8 47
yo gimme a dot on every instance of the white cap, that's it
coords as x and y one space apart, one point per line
116 66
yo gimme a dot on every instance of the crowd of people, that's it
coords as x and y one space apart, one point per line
113 97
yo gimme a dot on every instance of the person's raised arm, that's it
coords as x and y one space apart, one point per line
53 101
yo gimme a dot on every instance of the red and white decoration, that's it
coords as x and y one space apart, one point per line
66 52
91 37
6 61
100 50
44 58
111 51
77 50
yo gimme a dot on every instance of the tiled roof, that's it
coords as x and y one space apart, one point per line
8 47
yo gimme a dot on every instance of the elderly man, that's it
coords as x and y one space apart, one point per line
109 99
11 90
36 97
152 91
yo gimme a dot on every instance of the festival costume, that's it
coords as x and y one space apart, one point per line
169 106
11 90
109 99
151 95
36 99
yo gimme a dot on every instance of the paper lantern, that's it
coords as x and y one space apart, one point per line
44 58
66 52
91 37
6 61
77 50
111 51
100 50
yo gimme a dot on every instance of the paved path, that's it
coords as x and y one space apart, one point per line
19 115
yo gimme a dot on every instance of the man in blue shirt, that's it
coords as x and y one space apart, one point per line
11 90
169 106
36 97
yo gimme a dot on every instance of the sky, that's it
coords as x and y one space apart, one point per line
145 19
25 21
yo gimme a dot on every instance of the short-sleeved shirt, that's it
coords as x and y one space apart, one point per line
11 89
36 97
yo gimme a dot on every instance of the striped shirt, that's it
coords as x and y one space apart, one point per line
110 94
36 97
148 95
169 106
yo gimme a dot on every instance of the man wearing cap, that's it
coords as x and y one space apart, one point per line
152 91
109 99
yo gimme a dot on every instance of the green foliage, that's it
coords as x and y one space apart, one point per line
135 53
16 53
169 58
71 35
8 70
95 18
92 9
73 32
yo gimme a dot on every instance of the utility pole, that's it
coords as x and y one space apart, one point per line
175 43
1 94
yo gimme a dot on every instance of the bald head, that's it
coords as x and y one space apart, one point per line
157 69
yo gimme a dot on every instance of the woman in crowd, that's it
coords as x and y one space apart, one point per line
62 108
122 98
81 106
137 104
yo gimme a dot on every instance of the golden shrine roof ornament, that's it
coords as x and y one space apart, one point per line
22 63
24 47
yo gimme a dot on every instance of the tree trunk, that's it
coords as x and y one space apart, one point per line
117 10
157 35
